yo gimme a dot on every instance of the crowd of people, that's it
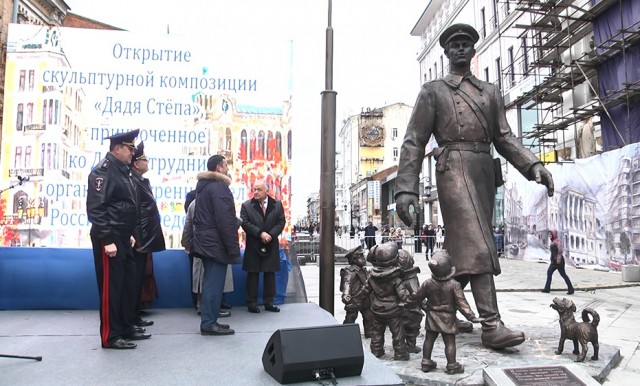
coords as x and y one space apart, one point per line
126 230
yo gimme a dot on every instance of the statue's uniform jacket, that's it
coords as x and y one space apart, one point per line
465 115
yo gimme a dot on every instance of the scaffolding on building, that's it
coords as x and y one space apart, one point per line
558 54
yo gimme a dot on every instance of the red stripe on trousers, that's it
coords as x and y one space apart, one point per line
106 325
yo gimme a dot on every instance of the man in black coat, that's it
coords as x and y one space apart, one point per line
112 211
215 240
148 235
262 220
370 235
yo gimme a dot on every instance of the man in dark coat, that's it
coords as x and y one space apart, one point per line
111 209
466 115
148 235
215 240
370 235
262 220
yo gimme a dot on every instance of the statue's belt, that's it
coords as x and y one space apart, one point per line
441 154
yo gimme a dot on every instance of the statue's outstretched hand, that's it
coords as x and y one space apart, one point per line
542 176
403 202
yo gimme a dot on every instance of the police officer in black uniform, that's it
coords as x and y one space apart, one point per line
111 209
148 234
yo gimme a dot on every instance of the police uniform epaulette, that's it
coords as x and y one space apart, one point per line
105 164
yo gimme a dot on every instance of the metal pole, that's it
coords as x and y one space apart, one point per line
327 178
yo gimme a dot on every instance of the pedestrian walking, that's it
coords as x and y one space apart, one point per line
556 263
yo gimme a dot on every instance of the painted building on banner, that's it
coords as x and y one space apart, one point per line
623 215
63 101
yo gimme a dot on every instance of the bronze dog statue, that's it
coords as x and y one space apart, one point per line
582 332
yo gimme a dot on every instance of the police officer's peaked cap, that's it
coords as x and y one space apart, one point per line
351 253
457 30
139 153
128 138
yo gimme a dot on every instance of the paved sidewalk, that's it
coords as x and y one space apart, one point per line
522 304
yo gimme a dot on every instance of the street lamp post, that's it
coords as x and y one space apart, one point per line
327 177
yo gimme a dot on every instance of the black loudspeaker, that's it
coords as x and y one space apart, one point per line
306 354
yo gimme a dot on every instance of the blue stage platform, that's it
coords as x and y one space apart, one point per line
64 279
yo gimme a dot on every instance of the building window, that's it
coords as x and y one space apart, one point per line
395 133
435 69
44 112
22 80
486 74
430 75
526 122
29 113
261 146
32 76
395 153
27 157
19 117
499 73
525 56
228 139
17 160
483 30
512 67
441 66
495 13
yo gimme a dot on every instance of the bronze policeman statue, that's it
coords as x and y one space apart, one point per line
466 116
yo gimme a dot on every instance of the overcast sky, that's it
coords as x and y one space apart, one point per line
374 54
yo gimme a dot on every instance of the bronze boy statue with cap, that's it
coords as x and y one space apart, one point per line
388 297
352 281
411 314
466 116
444 296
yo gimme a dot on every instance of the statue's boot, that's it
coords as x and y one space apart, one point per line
411 345
494 334
402 356
464 326
501 337
428 365
455 368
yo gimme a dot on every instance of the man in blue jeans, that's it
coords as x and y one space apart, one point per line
215 240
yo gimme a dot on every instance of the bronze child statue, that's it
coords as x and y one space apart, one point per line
411 314
583 332
352 281
444 296
388 296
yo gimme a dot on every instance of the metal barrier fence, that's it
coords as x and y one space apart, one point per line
308 248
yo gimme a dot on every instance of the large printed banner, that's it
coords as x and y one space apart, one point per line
595 208
67 89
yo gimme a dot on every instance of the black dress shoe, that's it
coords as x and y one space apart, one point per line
120 344
253 309
225 306
144 323
137 336
271 308
139 329
224 314
216 330
222 325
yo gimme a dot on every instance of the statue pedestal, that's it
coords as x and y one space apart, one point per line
537 350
